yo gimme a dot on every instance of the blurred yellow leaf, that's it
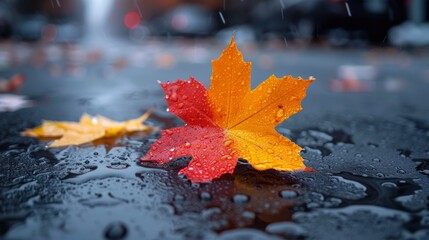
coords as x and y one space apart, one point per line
88 129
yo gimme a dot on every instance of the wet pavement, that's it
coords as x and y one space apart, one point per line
368 142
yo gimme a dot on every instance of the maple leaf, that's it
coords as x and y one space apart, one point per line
229 120
86 130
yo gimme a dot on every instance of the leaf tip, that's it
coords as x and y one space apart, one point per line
232 42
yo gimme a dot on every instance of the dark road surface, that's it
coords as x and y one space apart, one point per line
368 142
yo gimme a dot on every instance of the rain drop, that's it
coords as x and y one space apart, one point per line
205 196
240 198
173 97
187 145
280 113
389 185
287 194
116 230
227 143
179 198
380 175
180 105
248 215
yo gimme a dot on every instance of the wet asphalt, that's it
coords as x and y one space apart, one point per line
367 140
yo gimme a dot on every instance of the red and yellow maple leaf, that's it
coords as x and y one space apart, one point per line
86 130
229 120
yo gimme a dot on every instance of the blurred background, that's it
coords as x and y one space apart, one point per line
345 43
335 22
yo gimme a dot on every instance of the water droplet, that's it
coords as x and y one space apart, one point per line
240 198
205 196
218 109
167 109
187 145
401 171
380 175
280 113
248 215
358 155
172 149
180 105
269 150
287 194
389 185
269 90
292 98
227 143
116 230
173 97
179 198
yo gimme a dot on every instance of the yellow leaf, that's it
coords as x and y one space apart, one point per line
87 129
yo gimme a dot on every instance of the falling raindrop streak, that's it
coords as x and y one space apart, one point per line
285 40
221 17
138 7
348 9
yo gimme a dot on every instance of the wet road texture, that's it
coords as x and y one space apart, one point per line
369 147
